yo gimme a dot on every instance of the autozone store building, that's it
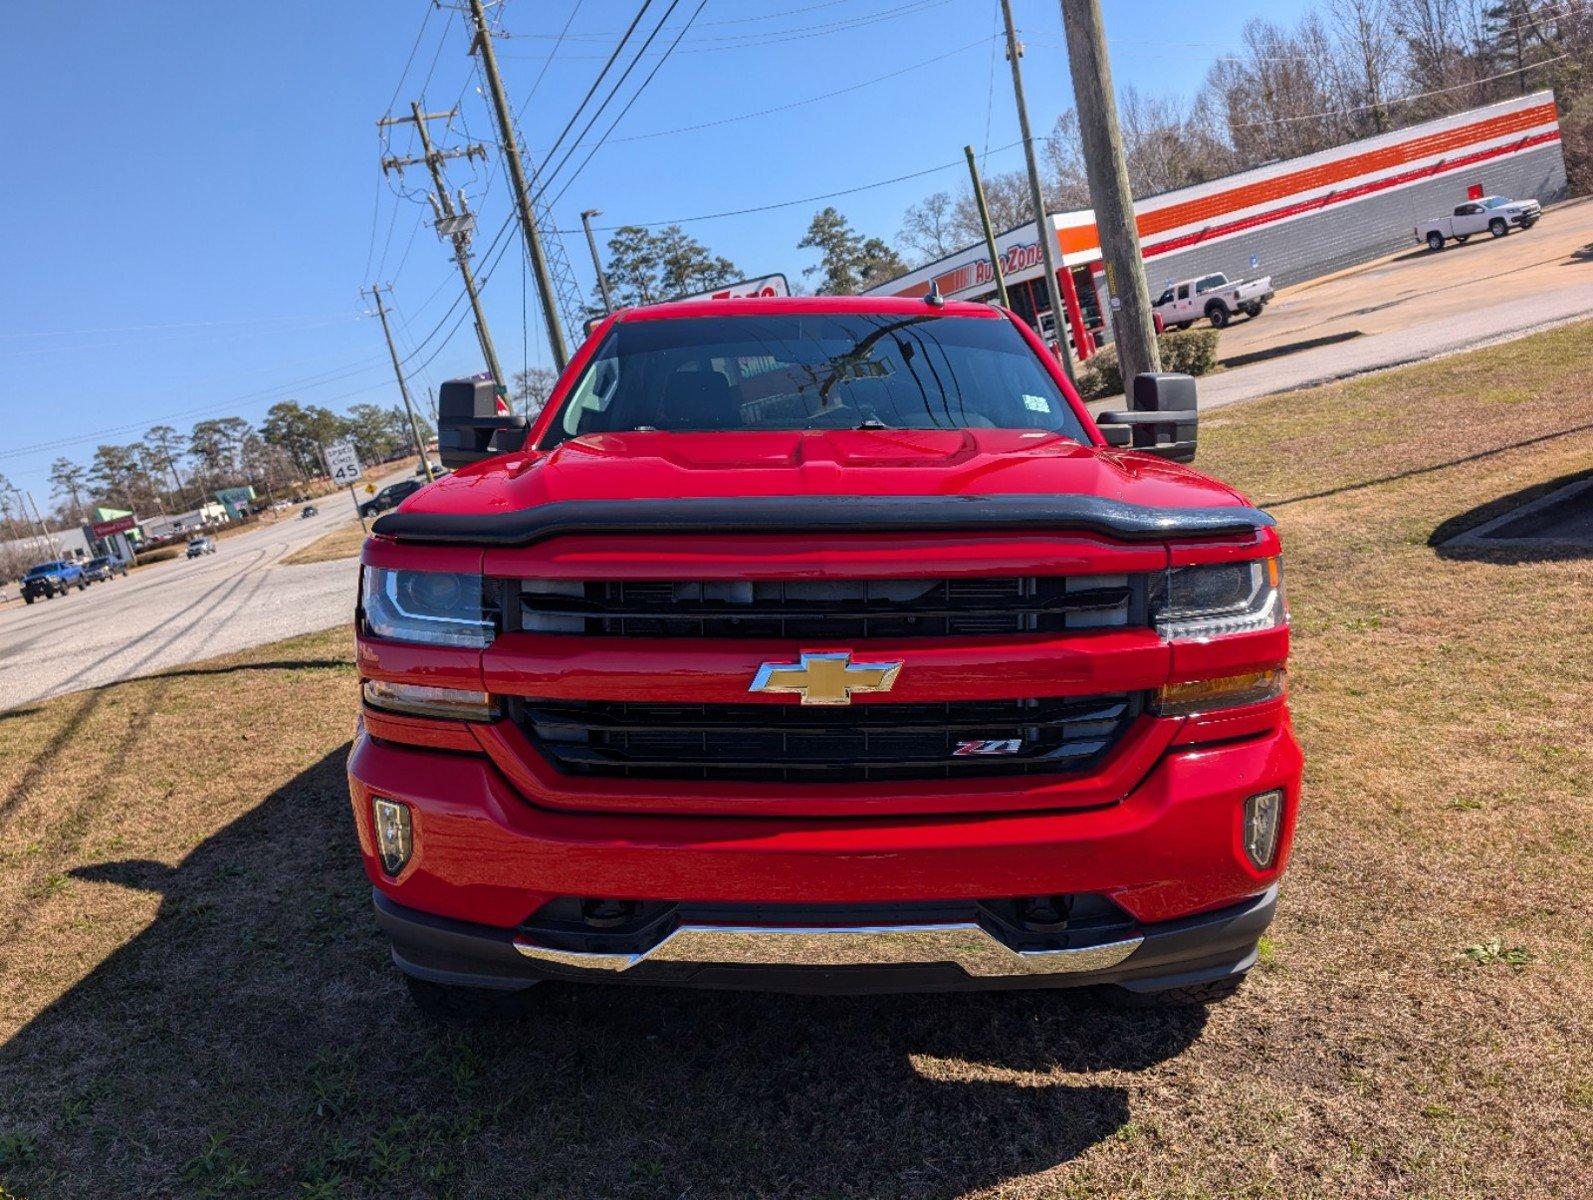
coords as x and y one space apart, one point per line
1292 220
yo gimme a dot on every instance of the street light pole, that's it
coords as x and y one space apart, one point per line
597 263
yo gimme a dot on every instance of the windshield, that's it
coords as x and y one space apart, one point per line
44 569
814 371
1497 201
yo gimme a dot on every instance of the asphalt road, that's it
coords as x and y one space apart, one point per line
170 613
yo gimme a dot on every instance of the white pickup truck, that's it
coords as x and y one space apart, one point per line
1495 214
1213 297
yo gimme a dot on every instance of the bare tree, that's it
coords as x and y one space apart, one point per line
930 229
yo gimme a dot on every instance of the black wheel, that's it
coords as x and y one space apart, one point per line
1252 310
1219 316
1463 238
1497 227
444 1002
28 599
1193 995
1435 240
1183 325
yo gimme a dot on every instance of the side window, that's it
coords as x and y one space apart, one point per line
594 393
1209 283
1183 291
1166 297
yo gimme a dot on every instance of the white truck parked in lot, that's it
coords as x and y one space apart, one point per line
1213 297
1495 214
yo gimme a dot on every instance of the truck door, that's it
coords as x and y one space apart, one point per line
1183 306
1469 218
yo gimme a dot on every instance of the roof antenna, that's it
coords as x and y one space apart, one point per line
933 298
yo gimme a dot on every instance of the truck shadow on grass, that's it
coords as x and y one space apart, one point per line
255 1040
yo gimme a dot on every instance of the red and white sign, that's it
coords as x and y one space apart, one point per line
767 285
105 529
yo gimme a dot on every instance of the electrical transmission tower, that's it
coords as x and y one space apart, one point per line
455 224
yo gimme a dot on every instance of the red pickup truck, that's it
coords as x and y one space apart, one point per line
823 645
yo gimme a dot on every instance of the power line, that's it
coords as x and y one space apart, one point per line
318 379
1344 112
741 212
773 37
537 82
547 174
635 96
764 112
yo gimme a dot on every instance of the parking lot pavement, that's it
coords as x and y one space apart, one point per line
1411 306
170 613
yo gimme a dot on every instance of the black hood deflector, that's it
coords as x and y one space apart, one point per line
823 514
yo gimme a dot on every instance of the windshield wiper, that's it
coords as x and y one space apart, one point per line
871 423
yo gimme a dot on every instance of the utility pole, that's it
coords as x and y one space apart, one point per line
27 517
510 145
403 388
457 226
49 533
1042 220
1133 328
984 223
597 263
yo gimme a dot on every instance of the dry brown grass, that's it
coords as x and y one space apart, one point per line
343 542
193 999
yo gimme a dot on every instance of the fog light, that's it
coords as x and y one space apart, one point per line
393 838
1263 820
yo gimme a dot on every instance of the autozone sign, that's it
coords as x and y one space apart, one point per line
1013 260
104 529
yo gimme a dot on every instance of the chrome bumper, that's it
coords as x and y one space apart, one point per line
965 945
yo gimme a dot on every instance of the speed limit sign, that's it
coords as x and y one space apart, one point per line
343 463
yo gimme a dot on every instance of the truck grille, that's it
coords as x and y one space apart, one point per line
830 609
790 743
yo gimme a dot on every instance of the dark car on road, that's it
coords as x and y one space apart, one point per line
104 568
391 496
52 578
203 544
309 510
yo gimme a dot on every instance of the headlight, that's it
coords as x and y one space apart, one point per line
1215 599
440 608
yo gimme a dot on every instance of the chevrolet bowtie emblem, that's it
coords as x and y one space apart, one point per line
828 678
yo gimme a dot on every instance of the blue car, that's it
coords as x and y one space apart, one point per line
52 578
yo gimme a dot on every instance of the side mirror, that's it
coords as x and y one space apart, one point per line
1163 420
473 424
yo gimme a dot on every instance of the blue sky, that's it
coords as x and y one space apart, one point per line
193 199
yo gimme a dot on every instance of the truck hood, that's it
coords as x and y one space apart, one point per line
875 463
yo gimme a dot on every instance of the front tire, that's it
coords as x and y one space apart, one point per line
446 1002
1219 316
1435 241
1194 995
1498 227
29 599
1463 238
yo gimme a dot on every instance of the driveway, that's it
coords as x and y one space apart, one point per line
1411 306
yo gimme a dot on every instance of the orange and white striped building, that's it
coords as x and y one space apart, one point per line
1292 220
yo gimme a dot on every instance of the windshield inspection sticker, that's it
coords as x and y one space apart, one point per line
1037 404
